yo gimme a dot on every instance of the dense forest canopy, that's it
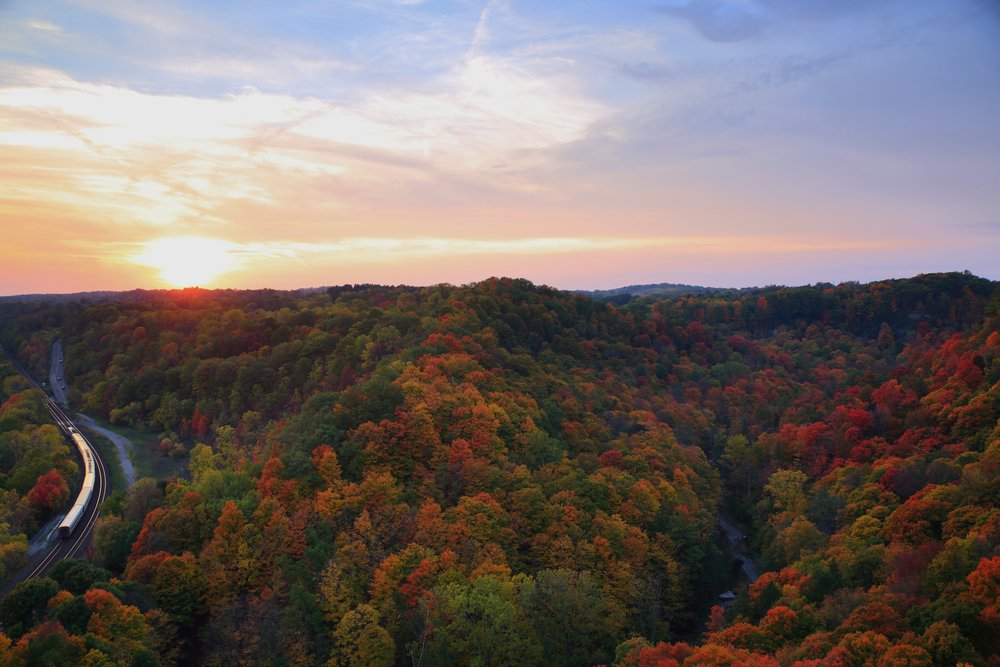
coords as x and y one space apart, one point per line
503 473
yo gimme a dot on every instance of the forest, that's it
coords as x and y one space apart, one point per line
36 468
503 473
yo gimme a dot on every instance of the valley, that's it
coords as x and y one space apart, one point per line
503 473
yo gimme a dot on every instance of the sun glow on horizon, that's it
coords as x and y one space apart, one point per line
189 261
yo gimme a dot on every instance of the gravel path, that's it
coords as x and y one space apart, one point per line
122 445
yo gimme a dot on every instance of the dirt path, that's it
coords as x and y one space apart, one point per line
122 445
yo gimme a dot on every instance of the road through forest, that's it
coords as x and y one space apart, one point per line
738 547
123 446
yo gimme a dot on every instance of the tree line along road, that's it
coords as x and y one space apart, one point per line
78 542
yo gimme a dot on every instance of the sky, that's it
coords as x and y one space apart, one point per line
579 144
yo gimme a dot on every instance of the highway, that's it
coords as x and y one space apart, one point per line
77 544
57 376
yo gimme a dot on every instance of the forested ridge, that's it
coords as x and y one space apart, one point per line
506 474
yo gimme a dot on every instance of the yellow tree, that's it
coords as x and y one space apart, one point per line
361 641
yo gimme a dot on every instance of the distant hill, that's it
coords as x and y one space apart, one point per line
62 298
143 295
620 294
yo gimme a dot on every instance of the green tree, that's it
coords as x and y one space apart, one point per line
481 623
143 496
566 610
13 551
113 540
25 606
77 576
361 641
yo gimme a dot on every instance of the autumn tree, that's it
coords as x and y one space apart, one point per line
361 641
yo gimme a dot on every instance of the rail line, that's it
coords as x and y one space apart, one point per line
79 522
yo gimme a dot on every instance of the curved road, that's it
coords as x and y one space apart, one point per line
77 544
122 445
57 379
737 546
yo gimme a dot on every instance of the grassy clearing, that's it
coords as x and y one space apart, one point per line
146 456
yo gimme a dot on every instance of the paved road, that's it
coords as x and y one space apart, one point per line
57 376
738 547
57 379
77 544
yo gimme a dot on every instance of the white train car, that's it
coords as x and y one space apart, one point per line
75 513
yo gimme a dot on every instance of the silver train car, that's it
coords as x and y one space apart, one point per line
75 513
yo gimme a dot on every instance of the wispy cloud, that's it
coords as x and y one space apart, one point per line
44 26
381 249
718 20
482 31
738 20
162 17
341 133
164 159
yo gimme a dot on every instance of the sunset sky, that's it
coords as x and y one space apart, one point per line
578 144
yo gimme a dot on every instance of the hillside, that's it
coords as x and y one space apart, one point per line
503 473
621 295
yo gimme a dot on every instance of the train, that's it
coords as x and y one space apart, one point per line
75 513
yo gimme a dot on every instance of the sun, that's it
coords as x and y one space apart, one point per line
189 261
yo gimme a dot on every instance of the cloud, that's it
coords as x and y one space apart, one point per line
158 159
739 20
646 71
380 119
269 71
482 32
390 249
771 73
206 261
155 15
44 26
484 107
720 20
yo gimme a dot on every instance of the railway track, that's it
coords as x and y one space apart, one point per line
82 527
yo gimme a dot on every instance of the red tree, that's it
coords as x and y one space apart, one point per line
50 492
